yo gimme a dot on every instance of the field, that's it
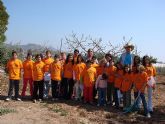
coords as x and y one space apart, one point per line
72 112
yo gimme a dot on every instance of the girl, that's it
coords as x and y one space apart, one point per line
110 71
101 68
28 74
56 73
101 86
126 86
88 76
140 83
118 83
151 72
79 68
136 62
68 77
38 77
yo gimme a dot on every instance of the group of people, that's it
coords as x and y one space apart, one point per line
72 77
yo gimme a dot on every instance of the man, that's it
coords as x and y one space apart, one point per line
90 55
127 57
14 66
47 60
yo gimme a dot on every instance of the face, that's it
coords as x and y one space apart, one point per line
79 59
70 58
119 66
63 56
136 60
48 54
128 49
147 61
90 53
56 59
108 58
15 56
76 53
29 57
126 69
38 58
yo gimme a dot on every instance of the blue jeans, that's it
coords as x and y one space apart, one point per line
101 96
47 86
142 96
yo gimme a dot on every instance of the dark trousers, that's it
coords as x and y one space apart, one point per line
94 92
142 96
127 98
102 96
55 88
110 92
116 99
13 84
38 86
68 88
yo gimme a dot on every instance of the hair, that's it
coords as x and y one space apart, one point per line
118 63
29 54
143 60
80 56
109 55
38 55
67 58
56 56
94 57
139 61
14 52
48 51
76 50
104 76
126 66
90 50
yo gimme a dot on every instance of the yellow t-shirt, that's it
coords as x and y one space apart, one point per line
47 62
56 71
28 68
38 71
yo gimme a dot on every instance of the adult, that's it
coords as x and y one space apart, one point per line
75 55
127 57
90 55
47 60
14 66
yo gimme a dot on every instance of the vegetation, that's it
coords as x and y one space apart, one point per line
4 111
3 22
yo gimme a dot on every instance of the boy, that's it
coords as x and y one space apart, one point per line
14 67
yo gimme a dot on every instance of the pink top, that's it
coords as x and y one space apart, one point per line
100 83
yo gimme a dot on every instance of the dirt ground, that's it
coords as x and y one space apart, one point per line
72 112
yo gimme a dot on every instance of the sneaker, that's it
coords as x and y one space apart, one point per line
34 100
148 115
18 99
40 100
8 99
98 105
53 99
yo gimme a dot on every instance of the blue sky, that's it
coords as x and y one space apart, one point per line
39 21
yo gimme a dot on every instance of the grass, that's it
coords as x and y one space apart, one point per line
4 111
58 109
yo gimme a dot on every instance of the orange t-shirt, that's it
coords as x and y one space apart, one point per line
68 70
111 70
79 68
38 71
47 62
140 80
118 78
89 76
127 82
150 70
100 70
56 71
14 67
28 68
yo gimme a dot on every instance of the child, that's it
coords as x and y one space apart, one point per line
47 60
101 85
56 73
110 71
14 66
68 77
38 77
151 72
136 62
118 83
28 74
89 76
79 68
126 87
140 83
101 68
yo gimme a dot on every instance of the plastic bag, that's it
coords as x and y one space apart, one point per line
151 82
